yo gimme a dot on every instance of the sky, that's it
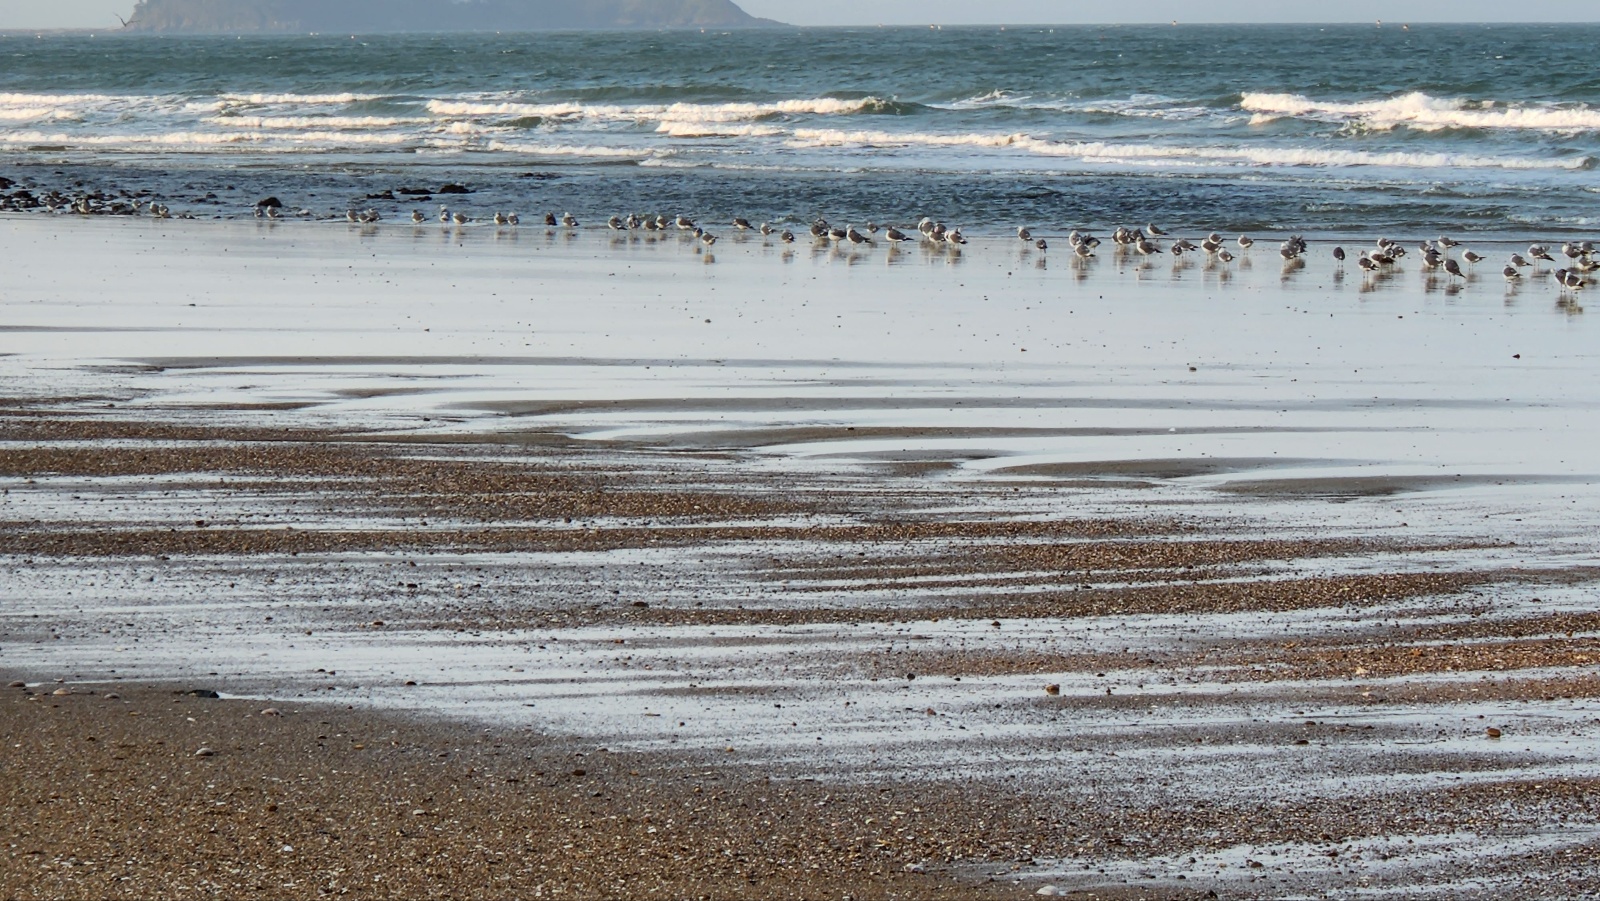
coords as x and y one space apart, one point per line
102 13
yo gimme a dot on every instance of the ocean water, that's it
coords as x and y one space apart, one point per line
1486 128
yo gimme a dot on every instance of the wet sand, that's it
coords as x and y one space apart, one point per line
880 619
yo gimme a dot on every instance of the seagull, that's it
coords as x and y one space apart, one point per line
350 216
460 218
1540 252
1083 250
1511 273
1447 243
1471 257
1042 244
1225 256
1519 262
1338 254
633 221
685 223
1454 268
741 223
444 215
500 218
417 217
766 228
550 220
954 236
1246 242
615 223
1153 231
787 237
856 237
569 220
708 238
1023 234
513 219
1366 263
896 236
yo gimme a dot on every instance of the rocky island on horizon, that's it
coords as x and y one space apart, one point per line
380 16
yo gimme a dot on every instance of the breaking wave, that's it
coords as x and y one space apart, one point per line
1424 112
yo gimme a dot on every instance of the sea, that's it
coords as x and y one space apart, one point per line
1491 129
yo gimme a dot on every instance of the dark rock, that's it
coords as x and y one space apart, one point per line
202 693
414 192
385 195
452 188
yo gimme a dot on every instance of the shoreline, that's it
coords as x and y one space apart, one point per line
1121 581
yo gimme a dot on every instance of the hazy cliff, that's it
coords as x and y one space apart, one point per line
369 16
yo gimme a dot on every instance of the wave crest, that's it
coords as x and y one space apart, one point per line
1423 112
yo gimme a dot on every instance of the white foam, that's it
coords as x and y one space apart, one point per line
1185 155
298 99
697 129
197 140
1422 111
29 113
583 150
321 122
686 112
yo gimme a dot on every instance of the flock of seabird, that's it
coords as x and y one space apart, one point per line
1146 242
1571 273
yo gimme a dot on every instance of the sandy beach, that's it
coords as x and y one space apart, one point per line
577 564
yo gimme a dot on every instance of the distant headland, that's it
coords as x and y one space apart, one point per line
379 16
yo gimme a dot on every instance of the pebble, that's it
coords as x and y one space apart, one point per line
205 752
1052 689
270 711
1048 891
62 691
1493 732
18 684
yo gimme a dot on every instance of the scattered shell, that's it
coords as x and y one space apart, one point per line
62 691
1052 689
270 711
113 696
1048 891
18 684
205 752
